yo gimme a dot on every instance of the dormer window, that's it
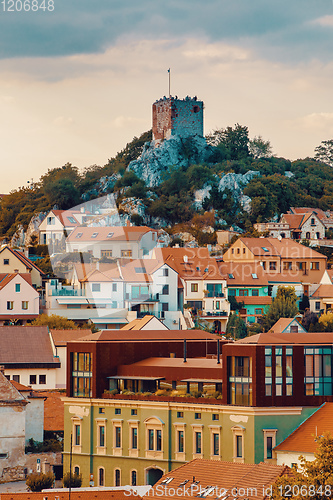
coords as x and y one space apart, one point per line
109 235
265 249
78 235
231 277
254 276
94 235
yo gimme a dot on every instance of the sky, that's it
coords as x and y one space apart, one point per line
78 77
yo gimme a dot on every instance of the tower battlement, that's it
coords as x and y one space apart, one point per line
173 116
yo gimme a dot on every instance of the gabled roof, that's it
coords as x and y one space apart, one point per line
7 278
20 255
138 324
27 345
8 392
221 476
273 247
303 439
323 291
119 233
282 324
191 263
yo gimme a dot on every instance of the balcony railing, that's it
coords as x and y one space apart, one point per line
215 294
66 292
145 297
213 313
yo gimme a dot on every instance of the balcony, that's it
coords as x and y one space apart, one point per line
146 297
68 292
211 314
214 295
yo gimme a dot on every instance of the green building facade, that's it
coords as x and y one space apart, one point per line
121 441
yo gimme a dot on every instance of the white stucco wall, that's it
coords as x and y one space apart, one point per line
34 419
289 457
26 372
12 435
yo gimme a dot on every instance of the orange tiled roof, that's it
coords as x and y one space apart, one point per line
302 440
254 300
120 233
323 291
138 324
61 337
53 410
283 323
285 248
149 335
219 474
243 274
271 338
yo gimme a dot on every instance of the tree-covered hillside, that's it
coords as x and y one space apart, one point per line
279 185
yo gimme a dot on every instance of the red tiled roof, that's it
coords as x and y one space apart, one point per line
243 274
6 278
285 248
283 323
53 410
138 324
221 475
149 335
61 337
323 291
25 344
20 255
120 233
303 439
254 300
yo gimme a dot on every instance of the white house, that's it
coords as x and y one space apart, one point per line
28 356
112 241
58 224
13 261
19 300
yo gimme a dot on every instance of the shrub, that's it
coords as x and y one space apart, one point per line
39 482
72 480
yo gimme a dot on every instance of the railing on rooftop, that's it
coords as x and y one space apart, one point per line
67 292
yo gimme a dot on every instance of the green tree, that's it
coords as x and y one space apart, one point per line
324 152
54 322
314 479
233 142
39 482
283 306
72 480
236 327
258 148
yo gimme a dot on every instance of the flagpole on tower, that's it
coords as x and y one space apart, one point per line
169 83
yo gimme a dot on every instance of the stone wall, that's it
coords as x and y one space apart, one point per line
28 464
172 116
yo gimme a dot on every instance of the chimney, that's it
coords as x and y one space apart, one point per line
218 351
185 351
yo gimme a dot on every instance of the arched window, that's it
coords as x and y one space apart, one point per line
77 470
101 477
117 477
133 478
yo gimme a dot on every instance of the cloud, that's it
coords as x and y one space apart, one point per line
324 21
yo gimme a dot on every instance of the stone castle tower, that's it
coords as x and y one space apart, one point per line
173 116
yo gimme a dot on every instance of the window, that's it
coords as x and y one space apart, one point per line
77 470
217 304
254 276
232 292
109 235
243 293
278 371
317 306
165 306
215 416
158 440
269 443
133 478
265 249
117 411
16 378
25 305
194 287
197 416
238 250
33 379
272 266
126 253
215 290
231 277
180 441
17 287
51 221
258 311
6 262
255 292
313 222
134 438
78 235
42 379
134 411
165 290
165 272
101 476
72 220
118 437
294 329
101 410
269 446
106 253
96 287
216 444
117 477
180 414
268 371
198 443
263 263
140 270
94 235
101 436
314 266
77 435
10 305
114 287
239 446
287 266
150 439
318 371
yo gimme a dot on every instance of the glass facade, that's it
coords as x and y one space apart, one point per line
81 374
240 380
